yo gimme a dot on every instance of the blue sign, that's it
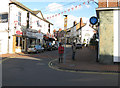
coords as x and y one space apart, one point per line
93 20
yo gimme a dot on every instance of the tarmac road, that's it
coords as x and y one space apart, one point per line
32 71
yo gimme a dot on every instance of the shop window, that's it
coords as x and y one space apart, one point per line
28 20
49 28
19 18
3 18
18 41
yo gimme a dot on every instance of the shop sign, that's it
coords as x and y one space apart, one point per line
19 32
39 35
30 34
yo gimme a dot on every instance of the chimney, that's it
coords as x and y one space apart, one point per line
74 23
81 22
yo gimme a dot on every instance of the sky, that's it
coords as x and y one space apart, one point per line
53 7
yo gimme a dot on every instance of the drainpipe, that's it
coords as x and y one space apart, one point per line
8 28
118 3
107 3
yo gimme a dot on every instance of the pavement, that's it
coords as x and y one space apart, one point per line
85 60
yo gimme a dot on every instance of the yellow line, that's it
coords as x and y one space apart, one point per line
6 59
80 71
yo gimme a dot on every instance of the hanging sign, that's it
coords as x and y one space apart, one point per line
65 23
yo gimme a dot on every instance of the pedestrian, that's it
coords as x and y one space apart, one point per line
73 51
60 51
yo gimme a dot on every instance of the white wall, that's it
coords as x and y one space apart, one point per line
51 29
87 30
116 36
4 6
4 42
119 36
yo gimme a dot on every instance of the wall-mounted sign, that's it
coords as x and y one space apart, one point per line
93 20
19 32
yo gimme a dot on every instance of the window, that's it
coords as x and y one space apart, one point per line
18 41
19 18
49 28
3 18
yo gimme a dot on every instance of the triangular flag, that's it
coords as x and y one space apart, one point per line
80 5
68 10
88 1
72 8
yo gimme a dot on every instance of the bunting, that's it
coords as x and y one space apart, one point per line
70 9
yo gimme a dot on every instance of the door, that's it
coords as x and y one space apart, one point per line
23 44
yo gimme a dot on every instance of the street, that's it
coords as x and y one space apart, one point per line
34 71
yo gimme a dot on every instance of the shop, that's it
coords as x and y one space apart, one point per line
18 42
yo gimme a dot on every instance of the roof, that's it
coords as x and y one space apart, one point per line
27 9
38 11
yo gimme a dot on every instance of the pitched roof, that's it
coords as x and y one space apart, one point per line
27 9
38 11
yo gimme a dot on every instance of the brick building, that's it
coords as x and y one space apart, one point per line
108 12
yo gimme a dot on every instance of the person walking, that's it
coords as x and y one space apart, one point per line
60 51
73 51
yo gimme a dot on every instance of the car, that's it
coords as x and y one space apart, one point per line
35 49
78 46
55 47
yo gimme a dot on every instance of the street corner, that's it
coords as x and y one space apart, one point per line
73 68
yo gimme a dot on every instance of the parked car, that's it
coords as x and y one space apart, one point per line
35 49
78 46
49 46
55 47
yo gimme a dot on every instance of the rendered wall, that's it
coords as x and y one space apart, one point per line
106 37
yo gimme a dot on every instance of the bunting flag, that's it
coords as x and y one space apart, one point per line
64 11
70 9
88 1
75 6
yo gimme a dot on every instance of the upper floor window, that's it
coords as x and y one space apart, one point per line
19 18
4 18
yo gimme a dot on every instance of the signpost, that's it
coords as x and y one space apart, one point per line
65 29
93 20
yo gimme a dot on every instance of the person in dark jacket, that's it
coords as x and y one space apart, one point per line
73 51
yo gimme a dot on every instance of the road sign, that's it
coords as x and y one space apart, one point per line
93 20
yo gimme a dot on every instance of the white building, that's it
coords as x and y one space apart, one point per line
87 33
20 27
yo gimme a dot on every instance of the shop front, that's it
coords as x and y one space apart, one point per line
18 42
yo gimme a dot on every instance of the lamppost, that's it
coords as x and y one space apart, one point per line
65 29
